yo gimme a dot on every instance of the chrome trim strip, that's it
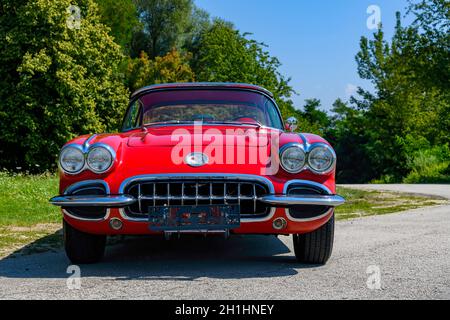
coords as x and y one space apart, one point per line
307 182
83 183
318 200
310 219
86 219
212 176
93 201
87 143
304 141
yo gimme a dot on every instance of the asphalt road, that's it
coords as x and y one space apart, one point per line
410 250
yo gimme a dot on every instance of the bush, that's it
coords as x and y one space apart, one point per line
430 166
56 81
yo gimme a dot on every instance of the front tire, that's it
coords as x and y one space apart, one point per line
315 247
81 247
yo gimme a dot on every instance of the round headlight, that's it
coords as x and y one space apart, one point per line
99 159
321 158
293 159
71 159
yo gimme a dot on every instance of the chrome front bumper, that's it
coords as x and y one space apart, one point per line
93 201
313 200
121 201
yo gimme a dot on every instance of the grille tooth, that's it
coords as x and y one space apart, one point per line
197 191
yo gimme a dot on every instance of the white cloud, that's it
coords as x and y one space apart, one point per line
350 90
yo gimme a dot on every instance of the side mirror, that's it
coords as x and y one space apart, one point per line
291 124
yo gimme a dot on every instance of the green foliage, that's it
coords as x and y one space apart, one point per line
56 82
348 135
166 24
312 119
223 54
429 165
121 17
408 111
173 67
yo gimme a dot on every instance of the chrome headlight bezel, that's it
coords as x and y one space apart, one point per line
329 150
308 149
79 150
108 151
85 150
283 152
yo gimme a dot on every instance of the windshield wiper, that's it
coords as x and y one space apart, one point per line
256 124
167 122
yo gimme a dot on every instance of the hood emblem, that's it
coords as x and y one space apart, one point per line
196 159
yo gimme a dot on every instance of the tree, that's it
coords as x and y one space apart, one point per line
173 67
122 18
57 79
199 23
165 24
223 54
347 133
409 108
318 120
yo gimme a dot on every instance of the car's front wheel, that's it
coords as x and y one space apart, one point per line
315 247
81 247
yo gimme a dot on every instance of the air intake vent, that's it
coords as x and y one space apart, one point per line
88 189
306 211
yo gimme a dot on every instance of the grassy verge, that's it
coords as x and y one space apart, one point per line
24 199
28 221
26 217
361 203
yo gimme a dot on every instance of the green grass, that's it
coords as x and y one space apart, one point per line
29 222
24 199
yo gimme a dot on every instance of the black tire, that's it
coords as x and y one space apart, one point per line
315 247
81 247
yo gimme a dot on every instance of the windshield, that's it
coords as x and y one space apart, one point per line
208 106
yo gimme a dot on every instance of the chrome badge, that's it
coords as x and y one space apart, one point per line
196 159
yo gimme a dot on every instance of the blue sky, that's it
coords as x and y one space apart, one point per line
316 41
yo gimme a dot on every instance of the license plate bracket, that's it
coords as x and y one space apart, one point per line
194 218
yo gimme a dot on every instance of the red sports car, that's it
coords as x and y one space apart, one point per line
209 158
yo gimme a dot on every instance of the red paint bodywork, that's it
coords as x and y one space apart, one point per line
140 153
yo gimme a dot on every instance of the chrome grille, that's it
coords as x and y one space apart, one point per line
195 192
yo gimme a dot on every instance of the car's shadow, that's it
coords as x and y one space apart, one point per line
147 258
